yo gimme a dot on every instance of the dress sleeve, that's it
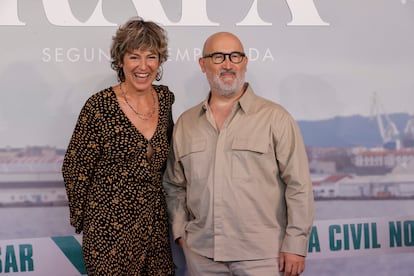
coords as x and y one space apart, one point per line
79 161
170 99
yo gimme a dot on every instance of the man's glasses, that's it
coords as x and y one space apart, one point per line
217 58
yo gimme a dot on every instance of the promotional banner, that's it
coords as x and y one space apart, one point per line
329 239
343 69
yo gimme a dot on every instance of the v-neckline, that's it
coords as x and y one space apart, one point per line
131 125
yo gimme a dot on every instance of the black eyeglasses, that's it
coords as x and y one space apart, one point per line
234 57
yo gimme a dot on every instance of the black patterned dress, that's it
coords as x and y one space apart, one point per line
115 191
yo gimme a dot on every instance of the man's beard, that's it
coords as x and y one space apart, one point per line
224 89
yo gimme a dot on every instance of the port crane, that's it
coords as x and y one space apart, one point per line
408 138
387 128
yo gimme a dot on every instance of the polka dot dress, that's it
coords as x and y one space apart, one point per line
115 191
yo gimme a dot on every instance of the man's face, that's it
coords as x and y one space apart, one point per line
225 78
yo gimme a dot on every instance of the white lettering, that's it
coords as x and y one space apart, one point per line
253 54
304 13
60 54
252 18
46 55
197 52
59 13
8 14
75 55
268 55
193 13
182 56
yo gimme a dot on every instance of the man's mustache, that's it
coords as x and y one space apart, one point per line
226 71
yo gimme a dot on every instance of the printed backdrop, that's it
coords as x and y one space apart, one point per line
344 69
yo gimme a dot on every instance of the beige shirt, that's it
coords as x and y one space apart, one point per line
244 192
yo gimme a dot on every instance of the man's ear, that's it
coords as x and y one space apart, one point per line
202 66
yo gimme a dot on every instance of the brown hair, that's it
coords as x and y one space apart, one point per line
138 34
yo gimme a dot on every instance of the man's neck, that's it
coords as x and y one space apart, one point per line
221 105
220 100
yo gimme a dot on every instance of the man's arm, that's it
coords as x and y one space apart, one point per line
174 184
294 172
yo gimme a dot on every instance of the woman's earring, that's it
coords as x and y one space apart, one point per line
159 74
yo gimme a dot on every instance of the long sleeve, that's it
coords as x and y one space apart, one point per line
175 187
78 164
294 172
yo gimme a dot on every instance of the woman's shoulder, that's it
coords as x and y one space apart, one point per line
102 95
164 92
100 98
160 88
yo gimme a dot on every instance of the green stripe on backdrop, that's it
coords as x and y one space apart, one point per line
72 250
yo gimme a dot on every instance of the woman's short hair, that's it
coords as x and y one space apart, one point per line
137 34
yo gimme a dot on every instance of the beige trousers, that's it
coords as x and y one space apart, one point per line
198 265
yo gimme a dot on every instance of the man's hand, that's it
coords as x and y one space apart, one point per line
291 264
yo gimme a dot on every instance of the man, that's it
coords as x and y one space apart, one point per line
238 188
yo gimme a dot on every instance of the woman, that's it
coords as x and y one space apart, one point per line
115 160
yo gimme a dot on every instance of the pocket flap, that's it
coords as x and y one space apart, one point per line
193 146
249 144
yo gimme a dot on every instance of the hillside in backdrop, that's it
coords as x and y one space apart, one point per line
348 131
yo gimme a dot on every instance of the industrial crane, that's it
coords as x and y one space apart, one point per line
408 138
388 130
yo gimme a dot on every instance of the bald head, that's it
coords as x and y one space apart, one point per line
224 64
222 42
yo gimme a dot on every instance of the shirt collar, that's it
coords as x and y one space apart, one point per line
246 101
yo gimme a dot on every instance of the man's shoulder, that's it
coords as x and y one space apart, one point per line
192 111
265 105
256 103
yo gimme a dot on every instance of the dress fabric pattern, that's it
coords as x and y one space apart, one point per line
114 190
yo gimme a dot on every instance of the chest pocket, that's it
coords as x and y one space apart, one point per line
249 144
250 157
195 159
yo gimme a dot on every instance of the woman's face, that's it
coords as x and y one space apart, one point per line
140 69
